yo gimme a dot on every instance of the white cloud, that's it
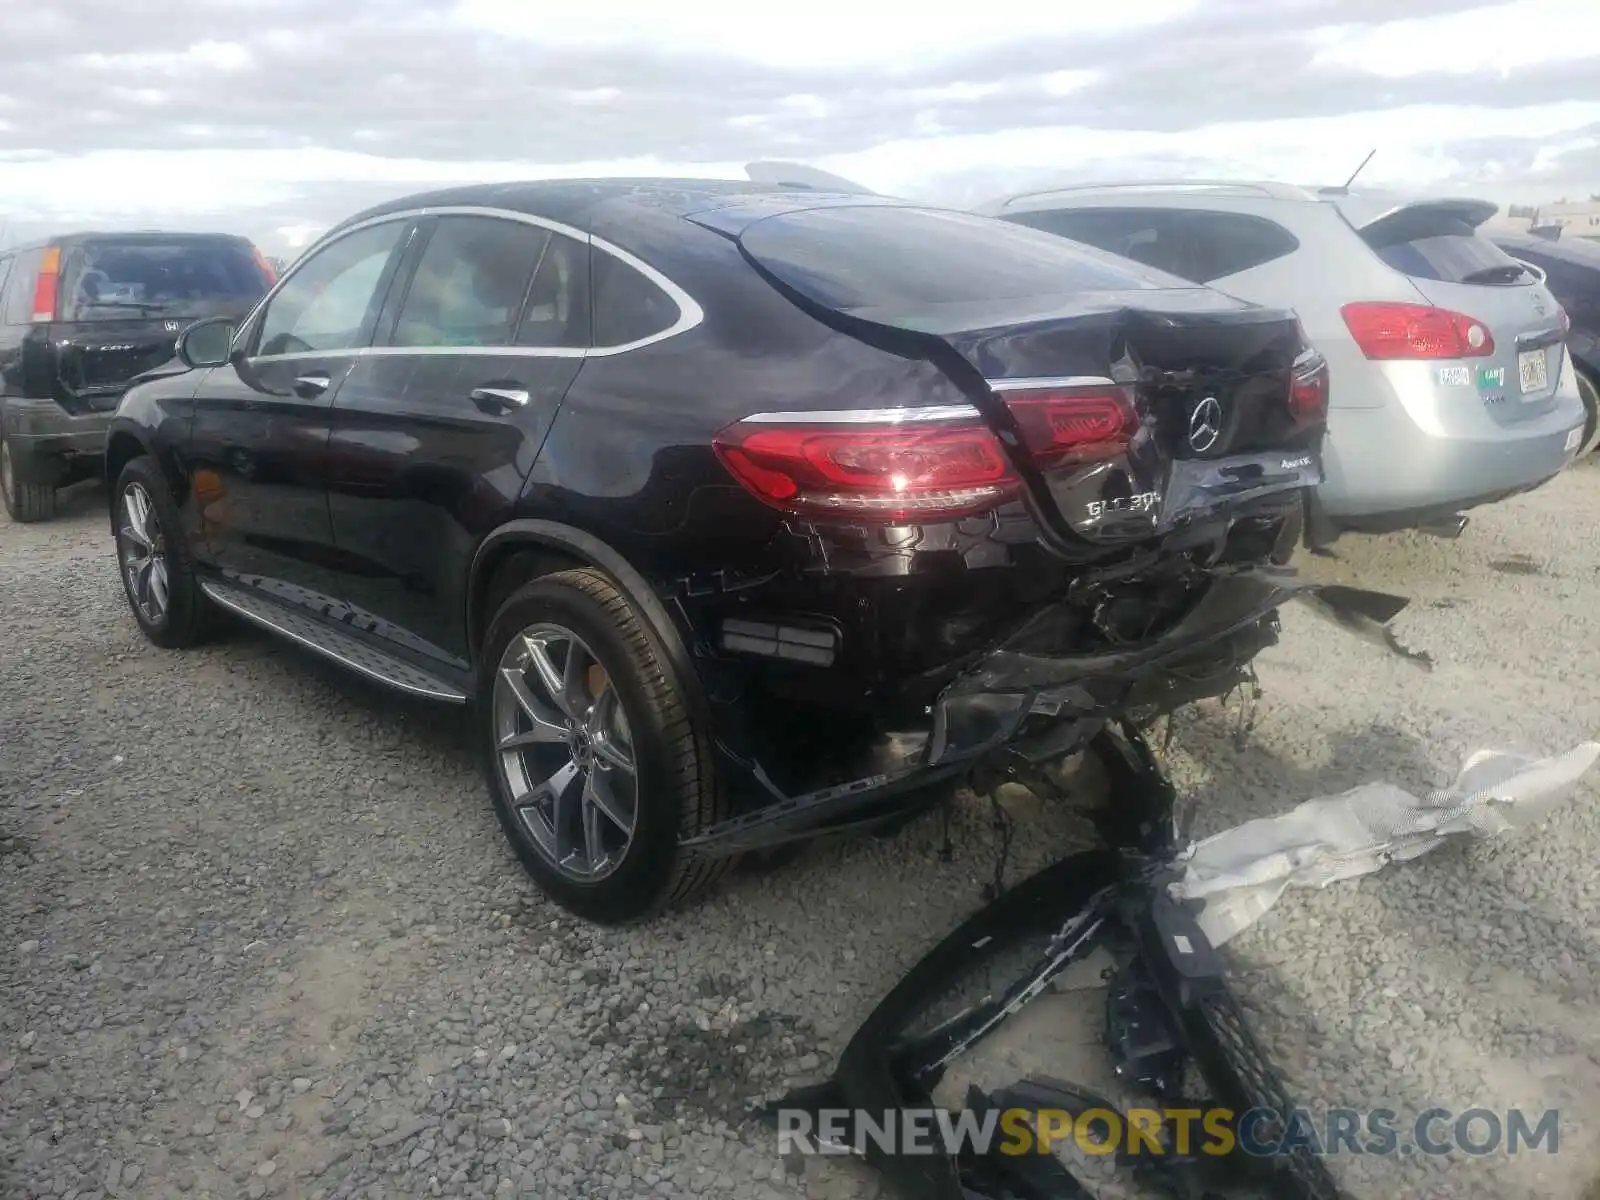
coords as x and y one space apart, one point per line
1501 38
834 33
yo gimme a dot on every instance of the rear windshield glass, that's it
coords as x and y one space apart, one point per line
1444 249
108 280
852 257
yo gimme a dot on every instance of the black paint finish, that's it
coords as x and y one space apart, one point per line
391 493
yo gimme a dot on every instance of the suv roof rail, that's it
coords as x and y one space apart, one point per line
1236 187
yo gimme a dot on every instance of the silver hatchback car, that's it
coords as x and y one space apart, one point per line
1451 382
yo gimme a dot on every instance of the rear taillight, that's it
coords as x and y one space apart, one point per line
916 465
1308 389
1062 426
1566 321
46 290
266 267
1387 330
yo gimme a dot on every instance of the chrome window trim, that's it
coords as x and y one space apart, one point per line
1050 381
867 416
690 313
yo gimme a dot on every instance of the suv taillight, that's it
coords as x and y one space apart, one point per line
264 265
879 466
1063 426
46 289
1387 330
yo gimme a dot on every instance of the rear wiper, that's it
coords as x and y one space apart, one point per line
1509 273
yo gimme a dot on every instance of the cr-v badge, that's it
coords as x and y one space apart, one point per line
1205 424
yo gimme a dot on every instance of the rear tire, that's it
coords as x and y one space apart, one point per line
638 870
154 560
1589 392
25 502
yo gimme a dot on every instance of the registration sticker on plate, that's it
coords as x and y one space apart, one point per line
1531 368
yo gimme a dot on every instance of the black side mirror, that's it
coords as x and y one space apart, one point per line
206 343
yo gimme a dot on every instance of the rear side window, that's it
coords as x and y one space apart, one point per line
556 314
1446 249
109 279
628 307
1190 243
469 286
19 288
886 256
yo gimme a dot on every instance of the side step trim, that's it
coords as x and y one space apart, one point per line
347 651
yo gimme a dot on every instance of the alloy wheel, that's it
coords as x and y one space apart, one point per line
143 553
565 752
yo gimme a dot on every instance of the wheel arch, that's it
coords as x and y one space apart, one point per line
122 447
554 546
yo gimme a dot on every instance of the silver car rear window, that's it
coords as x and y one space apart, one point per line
1445 249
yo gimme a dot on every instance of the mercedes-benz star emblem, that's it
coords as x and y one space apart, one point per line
1205 424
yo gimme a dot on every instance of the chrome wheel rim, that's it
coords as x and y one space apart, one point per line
565 752
144 554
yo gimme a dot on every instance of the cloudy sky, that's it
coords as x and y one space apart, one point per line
276 118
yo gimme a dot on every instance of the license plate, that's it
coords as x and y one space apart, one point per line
1531 368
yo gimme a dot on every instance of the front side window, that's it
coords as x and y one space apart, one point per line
470 284
331 302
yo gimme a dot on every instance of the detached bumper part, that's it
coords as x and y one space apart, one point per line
1168 1006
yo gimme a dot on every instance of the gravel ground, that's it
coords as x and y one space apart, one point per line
261 935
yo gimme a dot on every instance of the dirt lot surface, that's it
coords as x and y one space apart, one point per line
260 936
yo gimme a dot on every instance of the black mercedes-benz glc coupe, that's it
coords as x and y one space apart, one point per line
739 513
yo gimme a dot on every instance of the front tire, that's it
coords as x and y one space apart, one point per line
25 502
157 568
595 765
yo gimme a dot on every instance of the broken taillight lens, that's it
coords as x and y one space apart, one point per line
889 469
1386 330
1061 426
1308 389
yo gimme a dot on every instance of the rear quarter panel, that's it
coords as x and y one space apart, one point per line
629 456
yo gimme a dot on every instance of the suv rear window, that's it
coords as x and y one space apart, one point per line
851 257
109 279
1443 248
1196 244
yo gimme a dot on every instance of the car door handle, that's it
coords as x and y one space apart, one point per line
311 385
497 399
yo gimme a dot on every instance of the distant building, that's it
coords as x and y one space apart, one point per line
1576 219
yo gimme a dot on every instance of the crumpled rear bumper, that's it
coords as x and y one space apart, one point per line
1233 620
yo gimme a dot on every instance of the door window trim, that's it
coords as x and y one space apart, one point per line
690 313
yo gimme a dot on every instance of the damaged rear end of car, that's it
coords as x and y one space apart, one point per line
1086 513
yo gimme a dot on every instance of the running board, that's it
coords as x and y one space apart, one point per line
349 652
